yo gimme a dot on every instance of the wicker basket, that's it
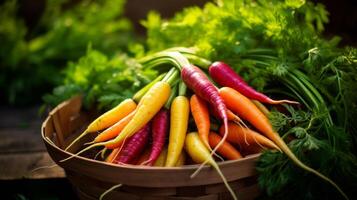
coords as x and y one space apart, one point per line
91 177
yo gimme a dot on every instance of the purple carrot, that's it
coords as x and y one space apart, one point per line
197 81
134 146
160 128
224 75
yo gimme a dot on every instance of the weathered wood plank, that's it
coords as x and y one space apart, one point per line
20 165
20 130
13 140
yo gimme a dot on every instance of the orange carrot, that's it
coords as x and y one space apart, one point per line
261 107
114 130
226 149
247 110
112 116
231 116
112 155
200 114
246 137
108 119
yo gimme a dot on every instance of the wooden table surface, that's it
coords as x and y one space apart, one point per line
21 147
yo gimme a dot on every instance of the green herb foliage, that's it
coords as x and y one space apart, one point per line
31 59
278 47
103 81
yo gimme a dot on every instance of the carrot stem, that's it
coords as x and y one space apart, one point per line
191 54
171 98
138 95
173 78
182 88
85 132
175 58
167 76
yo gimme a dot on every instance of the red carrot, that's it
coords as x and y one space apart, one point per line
197 81
134 146
226 76
160 128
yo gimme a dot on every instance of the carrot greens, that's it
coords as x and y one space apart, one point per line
99 78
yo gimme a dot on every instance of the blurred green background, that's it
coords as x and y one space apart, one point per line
38 38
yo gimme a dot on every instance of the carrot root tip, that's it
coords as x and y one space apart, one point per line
82 151
43 167
76 140
97 154
284 101
198 170
147 162
89 143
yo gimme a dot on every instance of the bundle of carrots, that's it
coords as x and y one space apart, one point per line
137 129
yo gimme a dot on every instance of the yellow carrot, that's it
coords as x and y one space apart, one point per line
112 116
160 162
181 160
149 105
108 118
112 155
180 109
200 154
